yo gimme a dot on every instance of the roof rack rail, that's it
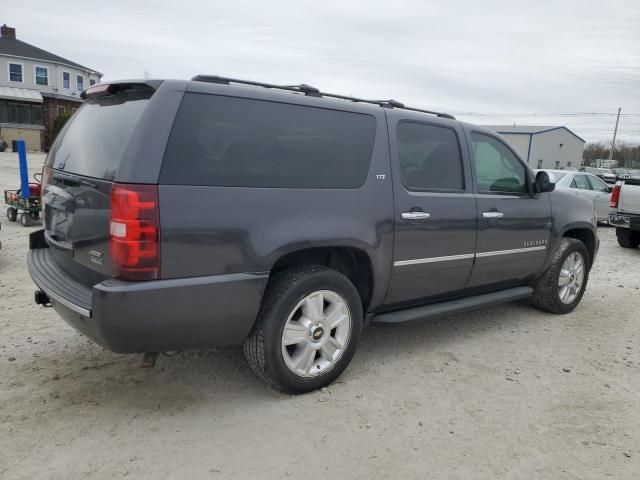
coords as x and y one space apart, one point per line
310 91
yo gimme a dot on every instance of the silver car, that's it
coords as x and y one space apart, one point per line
586 185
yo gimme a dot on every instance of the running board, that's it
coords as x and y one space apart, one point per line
453 306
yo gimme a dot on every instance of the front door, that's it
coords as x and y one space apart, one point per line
435 211
514 227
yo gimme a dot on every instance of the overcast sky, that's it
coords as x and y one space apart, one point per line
489 57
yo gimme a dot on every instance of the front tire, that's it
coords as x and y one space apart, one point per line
627 238
562 286
25 219
307 329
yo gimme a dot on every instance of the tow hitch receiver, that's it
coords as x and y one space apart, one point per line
41 298
149 360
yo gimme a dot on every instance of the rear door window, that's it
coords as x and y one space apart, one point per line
429 157
95 138
238 142
581 182
597 184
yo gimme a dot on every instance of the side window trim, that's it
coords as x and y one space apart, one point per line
460 156
527 179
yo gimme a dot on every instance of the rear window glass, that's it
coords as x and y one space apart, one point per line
429 157
237 142
94 140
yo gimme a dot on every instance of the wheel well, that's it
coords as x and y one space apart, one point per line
353 263
586 236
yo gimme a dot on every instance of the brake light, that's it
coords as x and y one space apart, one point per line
134 231
98 90
615 195
45 179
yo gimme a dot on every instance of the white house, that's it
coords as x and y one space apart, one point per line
554 147
35 87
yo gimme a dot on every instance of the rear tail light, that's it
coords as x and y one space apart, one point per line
134 231
45 179
615 196
99 90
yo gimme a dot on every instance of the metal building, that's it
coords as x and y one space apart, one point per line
544 146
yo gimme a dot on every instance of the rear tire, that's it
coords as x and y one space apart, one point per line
12 214
627 238
298 345
550 293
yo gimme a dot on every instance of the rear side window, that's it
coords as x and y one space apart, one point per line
429 157
95 138
237 142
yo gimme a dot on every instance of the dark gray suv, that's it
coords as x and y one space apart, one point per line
216 212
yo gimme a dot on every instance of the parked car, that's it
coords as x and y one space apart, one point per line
603 173
216 212
587 185
625 215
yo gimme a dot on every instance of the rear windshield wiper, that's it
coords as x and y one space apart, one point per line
73 180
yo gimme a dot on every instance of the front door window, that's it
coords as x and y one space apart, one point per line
497 169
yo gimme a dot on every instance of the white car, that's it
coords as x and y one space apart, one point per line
586 185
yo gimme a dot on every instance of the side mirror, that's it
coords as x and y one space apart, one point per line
543 183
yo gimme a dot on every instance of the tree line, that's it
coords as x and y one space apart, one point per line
626 154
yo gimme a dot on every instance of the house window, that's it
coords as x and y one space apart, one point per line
66 80
557 164
92 82
568 164
15 72
79 83
36 114
20 113
42 75
540 163
60 110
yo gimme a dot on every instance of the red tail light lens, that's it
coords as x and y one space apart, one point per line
134 231
615 196
46 178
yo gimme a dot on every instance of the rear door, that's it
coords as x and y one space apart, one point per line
79 172
513 226
435 210
602 196
581 186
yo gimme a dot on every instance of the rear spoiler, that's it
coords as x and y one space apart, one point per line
103 89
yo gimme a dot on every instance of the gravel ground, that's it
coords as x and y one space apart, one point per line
503 392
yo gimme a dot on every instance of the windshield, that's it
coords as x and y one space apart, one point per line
94 140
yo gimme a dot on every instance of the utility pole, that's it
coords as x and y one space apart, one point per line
615 131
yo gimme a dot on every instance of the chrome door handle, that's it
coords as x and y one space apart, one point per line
492 214
414 215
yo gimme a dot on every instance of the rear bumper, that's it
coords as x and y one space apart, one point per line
625 220
153 316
